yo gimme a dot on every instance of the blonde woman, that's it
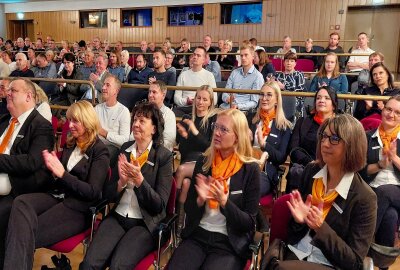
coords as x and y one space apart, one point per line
42 103
222 203
271 132
227 61
42 219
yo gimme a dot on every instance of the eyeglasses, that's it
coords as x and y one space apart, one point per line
390 111
333 139
266 95
222 129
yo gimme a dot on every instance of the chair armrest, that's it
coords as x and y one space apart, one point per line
258 242
98 206
368 264
167 222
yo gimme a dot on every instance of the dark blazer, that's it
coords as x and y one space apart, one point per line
25 165
276 147
240 210
344 238
83 185
154 192
373 157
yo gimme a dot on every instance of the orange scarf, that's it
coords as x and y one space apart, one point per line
221 170
266 118
142 159
318 196
387 138
318 118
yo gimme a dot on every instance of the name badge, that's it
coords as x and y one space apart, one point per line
337 208
150 163
85 156
236 192
20 136
376 147
273 135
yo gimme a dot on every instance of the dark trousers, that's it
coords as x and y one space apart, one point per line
5 209
205 250
38 220
120 243
388 214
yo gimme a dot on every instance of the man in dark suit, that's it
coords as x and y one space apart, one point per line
21 145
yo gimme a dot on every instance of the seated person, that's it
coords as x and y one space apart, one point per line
114 118
363 78
43 219
382 171
140 187
114 66
271 133
290 79
334 211
222 203
368 111
22 69
263 64
329 75
42 103
287 47
98 77
45 69
226 61
194 137
140 73
303 142
308 48
182 60
124 64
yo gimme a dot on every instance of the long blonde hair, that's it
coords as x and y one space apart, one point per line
322 71
84 113
210 112
280 120
243 146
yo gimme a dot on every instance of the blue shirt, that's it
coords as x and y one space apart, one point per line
238 80
340 83
118 71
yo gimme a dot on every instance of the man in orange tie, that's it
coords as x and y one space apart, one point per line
24 134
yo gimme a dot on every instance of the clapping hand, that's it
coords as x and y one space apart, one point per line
218 193
202 188
53 163
298 208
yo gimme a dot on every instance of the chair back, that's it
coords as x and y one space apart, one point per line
130 96
289 107
172 198
54 123
277 63
305 65
280 219
64 133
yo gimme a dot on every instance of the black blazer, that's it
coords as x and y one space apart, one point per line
154 192
344 238
240 210
276 147
83 185
25 165
373 157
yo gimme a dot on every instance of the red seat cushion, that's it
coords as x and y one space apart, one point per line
267 200
67 245
146 262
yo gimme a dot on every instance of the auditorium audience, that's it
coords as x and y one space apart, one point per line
213 67
207 42
329 75
114 118
303 142
290 79
363 77
96 45
333 46
287 47
222 201
382 172
4 83
358 63
182 60
368 111
124 64
22 69
47 70
195 76
8 59
20 47
98 77
226 61
42 219
140 186
42 103
263 64
39 45
31 58
334 210
140 73
308 48
271 133
114 66
194 137
25 134
51 46
167 47
244 77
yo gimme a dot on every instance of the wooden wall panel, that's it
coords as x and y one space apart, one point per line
298 18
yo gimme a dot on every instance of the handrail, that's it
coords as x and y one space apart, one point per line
90 83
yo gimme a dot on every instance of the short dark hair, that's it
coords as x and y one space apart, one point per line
69 57
160 51
150 110
202 48
144 57
42 55
290 56
362 33
82 43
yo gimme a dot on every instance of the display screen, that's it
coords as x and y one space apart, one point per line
241 13
183 16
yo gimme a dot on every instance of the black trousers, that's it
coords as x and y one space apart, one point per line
206 250
120 243
5 209
38 220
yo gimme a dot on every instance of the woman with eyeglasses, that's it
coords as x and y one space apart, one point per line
140 187
303 142
368 111
194 137
329 75
383 171
271 133
222 202
42 219
334 211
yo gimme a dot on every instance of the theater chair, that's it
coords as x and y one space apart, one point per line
277 63
305 65
166 226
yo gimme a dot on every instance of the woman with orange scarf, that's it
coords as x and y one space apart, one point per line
334 210
303 142
222 203
271 132
383 172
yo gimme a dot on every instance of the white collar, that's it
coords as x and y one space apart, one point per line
344 185
22 117
376 135
132 148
